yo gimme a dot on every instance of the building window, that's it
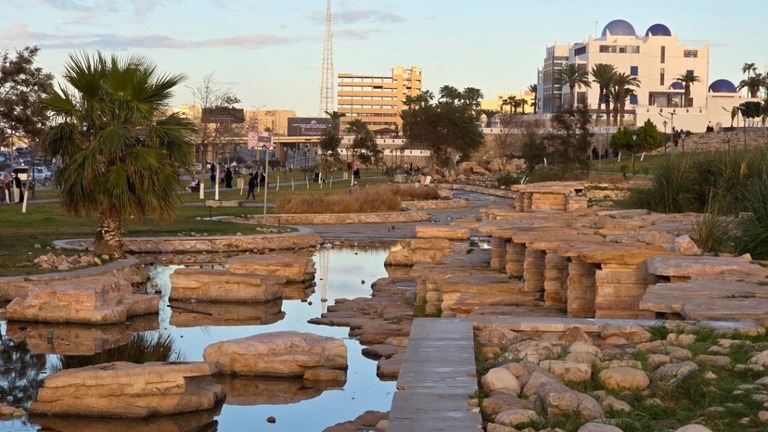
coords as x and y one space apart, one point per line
635 49
580 51
605 48
663 54
689 72
622 50
691 53
661 76
633 71
633 99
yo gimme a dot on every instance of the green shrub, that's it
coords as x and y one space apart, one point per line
507 180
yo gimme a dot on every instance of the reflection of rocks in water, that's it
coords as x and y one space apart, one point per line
297 291
194 314
75 339
194 422
248 391
20 373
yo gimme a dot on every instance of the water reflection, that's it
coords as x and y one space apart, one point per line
297 405
72 339
196 314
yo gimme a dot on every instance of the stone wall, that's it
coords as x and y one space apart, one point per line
335 219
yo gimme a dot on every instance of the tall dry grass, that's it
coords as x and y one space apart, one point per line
373 199
413 193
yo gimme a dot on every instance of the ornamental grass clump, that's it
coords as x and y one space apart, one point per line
368 200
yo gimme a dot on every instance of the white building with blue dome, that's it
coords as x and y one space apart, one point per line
656 57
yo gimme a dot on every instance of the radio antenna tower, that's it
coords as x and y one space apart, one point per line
327 97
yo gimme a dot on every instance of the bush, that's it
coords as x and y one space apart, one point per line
507 180
406 193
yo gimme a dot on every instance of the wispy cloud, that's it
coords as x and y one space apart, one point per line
357 34
109 41
352 15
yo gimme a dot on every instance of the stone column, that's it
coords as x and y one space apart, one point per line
498 253
515 259
533 270
619 289
555 280
527 201
581 288
520 201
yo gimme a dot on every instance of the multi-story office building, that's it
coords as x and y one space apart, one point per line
377 100
275 121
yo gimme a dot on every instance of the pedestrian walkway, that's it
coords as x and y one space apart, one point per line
437 379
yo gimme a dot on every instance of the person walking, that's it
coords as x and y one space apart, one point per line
228 178
213 173
6 198
251 186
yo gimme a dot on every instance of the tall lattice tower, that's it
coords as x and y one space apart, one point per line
327 89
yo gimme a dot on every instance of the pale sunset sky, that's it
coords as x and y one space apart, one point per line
269 52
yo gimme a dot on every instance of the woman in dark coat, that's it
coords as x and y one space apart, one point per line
228 178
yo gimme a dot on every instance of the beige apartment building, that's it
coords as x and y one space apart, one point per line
377 99
275 121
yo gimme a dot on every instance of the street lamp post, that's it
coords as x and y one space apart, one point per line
682 139
266 148
665 136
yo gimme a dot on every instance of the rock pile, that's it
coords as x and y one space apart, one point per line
69 262
619 373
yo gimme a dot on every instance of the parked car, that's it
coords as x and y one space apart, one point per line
42 174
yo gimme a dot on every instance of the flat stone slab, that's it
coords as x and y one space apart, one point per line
698 266
224 286
434 204
219 203
708 299
292 268
286 354
128 390
481 284
442 231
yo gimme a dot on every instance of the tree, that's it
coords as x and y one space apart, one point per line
573 76
120 153
623 83
752 84
748 68
603 75
534 88
364 148
209 94
22 88
571 139
335 117
447 128
510 102
688 79
645 138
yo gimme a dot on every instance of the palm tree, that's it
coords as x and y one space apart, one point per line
748 68
523 102
121 154
752 84
623 84
603 75
335 117
688 79
534 88
509 101
573 76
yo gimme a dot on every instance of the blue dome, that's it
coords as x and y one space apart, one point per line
677 85
619 28
658 30
722 86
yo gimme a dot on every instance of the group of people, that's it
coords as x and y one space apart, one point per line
12 189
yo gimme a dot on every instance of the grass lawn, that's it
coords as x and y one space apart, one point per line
25 236
647 165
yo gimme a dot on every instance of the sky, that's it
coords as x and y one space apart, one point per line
269 52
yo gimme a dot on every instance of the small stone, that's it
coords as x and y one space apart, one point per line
763 416
37 246
271 419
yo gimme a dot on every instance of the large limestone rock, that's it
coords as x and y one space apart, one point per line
277 354
624 378
292 268
128 390
417 251
95 302
561 402
223 286
500 378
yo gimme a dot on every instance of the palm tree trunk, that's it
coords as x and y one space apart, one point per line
573 97
109 236
607 111
600 101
